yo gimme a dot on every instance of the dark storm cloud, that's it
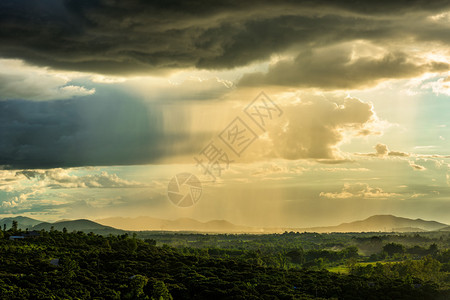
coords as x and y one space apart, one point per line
90 131
150 36
336 70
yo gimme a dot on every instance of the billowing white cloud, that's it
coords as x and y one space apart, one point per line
7 180
358 190
382 150
20 200
21 81
24 188
61 178
416 166
274 168
316 125
440 87
344 169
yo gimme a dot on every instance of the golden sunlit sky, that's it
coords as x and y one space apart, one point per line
322 112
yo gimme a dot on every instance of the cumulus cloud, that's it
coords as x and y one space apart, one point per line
273 168
18 201
398 153
20 81
382 150
344 169
268 170
439 87
40 190
416 166
23 186
61 178
315 126
7 180
358 190
134 36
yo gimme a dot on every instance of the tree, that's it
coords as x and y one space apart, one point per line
320 263
136 287
131 245
69 267
350 252
393 248
350 263
296 256
107 245
282 261
160 291
150 242
433 249
14 225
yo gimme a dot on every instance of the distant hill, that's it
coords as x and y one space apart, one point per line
22 222
383 223
118 225
62 220
377 223
408 229
445 229
182 224
78 225
71 225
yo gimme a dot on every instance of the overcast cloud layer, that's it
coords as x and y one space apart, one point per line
122 37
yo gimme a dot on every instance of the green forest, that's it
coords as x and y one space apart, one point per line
161 265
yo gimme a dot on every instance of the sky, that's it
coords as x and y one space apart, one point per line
284 113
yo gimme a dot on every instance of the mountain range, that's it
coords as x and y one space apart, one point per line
118 225
71 225
383 223
182 224
22 222
377 223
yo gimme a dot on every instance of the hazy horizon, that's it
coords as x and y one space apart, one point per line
255 226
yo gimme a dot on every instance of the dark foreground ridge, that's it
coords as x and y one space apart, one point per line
75 265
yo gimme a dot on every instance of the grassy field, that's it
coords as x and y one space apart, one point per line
339 269
342 269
